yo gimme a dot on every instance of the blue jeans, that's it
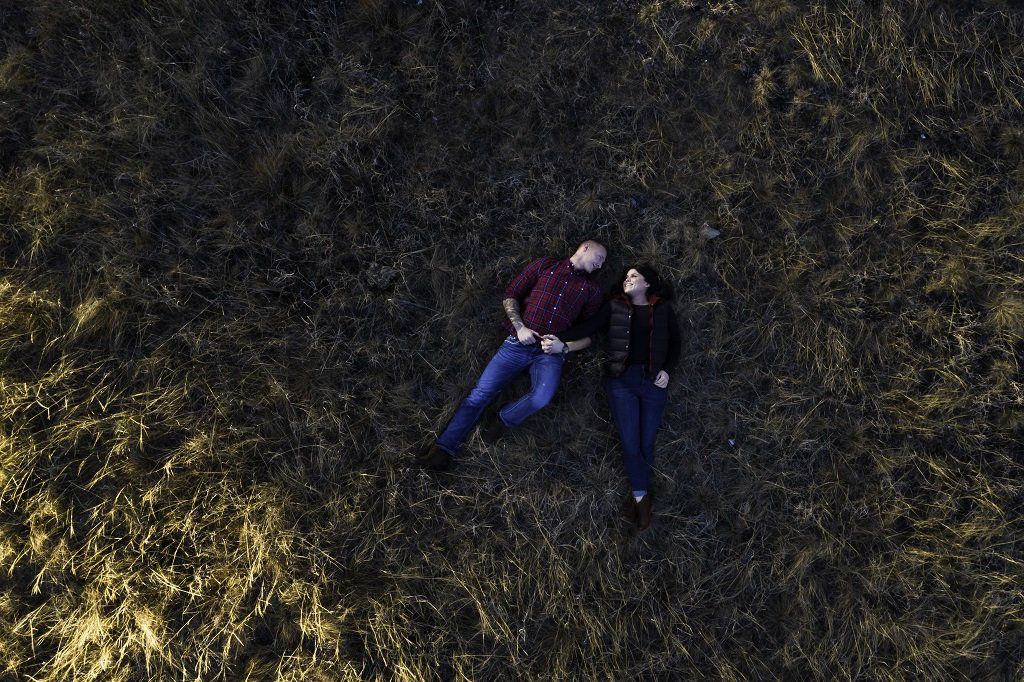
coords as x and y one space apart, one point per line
637 405
511 359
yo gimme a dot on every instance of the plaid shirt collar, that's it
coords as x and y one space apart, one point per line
575 270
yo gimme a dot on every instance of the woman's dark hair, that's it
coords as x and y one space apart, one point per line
659 287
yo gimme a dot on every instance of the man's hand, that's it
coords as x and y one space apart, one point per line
527 336
661 381
551 344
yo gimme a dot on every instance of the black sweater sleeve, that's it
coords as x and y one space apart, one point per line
588 327
674 342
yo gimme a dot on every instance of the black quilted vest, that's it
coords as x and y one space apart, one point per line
617 343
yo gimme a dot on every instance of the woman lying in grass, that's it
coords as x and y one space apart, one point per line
642 348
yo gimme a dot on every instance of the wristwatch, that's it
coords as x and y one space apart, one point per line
565 349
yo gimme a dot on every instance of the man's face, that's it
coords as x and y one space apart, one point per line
592 257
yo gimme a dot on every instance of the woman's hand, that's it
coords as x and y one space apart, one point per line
661 381
551 344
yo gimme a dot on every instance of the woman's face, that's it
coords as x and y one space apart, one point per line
634 282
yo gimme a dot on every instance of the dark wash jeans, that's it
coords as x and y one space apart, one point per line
637 405
511 359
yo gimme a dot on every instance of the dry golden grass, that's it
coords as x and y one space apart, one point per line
251 260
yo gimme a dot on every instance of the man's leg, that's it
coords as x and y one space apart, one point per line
510 359
545 373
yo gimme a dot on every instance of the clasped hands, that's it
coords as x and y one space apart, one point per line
549 343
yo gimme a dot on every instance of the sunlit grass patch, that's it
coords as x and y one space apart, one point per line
253 259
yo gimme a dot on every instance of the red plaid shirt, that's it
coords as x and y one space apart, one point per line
553 295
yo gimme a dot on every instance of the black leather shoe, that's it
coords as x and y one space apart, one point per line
494 431
434 459
643 512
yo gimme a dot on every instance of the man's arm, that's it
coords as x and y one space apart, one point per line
594 303
517 289
511 306
580 335
595 306
523 333
589 326
523 283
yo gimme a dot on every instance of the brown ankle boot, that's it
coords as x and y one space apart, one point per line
643 512
629 510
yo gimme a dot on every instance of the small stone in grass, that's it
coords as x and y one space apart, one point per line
708 232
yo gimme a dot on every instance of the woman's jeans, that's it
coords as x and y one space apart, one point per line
637 405
511 359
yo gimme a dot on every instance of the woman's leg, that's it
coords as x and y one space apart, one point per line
652 406
625 407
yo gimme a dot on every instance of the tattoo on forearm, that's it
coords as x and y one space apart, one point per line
512 310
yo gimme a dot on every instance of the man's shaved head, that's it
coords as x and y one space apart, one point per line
589 255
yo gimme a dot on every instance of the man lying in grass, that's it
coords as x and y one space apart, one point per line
547 297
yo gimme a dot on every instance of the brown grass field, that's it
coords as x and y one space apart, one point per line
251 259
